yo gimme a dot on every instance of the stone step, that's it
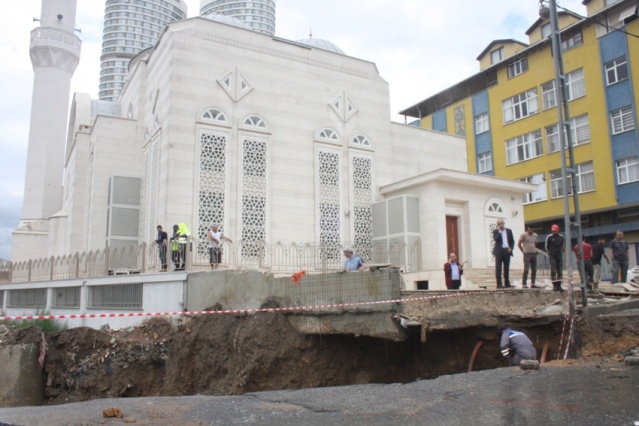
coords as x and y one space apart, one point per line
485 277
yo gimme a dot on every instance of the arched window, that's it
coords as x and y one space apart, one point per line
215 115
327 134
361 141
254 123
494 208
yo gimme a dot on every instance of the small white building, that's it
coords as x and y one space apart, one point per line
273 140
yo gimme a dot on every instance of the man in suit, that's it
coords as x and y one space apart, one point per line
503 250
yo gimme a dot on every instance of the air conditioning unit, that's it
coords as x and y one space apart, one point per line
123 224
396 231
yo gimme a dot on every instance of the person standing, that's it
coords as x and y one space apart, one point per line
162 242
598 252
517 342
587 258
353 263
175 247
528 246
503 250
619 253
183 237
453 272
555 244
215 246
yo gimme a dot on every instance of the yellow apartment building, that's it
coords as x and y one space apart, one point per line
508 114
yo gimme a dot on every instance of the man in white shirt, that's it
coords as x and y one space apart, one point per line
215 246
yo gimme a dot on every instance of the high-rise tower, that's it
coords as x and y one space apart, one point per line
55 53
259 15
130 27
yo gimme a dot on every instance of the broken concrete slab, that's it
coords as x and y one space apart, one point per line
631 360
450 311
610 308
20 376
374 324
550 310
618 288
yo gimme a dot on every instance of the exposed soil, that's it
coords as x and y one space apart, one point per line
230 355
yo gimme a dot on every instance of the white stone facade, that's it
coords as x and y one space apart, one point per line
476 201
271 139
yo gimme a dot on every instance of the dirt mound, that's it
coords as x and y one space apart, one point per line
83 363
232 355
607 335
23 336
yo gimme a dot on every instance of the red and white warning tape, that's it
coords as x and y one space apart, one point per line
228 311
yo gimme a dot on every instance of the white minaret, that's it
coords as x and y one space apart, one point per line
55 53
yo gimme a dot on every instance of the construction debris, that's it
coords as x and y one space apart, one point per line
112 412
529 364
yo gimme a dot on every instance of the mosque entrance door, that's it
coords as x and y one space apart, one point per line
452 236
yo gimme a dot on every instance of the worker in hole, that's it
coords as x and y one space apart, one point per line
515 345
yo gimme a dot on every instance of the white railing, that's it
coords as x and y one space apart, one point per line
259 255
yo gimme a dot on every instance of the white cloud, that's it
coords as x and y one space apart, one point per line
420 47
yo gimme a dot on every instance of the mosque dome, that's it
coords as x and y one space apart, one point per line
321 44
228 20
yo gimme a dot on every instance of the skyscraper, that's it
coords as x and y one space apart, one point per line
259 15
131 26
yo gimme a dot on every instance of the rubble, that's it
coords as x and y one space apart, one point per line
529 364
112 412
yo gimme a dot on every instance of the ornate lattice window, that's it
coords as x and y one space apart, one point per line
144 232
156 123
329 202
254 122
212 181
215 115
150 184
362 179
254 184
327 135
361 141
154 183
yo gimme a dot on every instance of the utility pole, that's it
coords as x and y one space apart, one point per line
564 132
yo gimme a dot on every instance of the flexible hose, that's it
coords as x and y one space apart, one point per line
474 354
544 352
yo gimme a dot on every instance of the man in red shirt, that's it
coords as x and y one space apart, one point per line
587 251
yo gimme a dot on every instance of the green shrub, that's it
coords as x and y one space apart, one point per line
46 325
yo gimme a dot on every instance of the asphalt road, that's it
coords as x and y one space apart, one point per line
557 394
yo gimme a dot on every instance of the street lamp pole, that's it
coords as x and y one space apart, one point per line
564 132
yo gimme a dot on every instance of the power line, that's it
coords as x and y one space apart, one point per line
597 22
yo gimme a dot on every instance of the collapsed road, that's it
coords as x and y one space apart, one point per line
433 335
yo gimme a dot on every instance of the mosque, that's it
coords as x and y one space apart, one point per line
274 140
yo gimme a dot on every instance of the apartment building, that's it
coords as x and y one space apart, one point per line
508 114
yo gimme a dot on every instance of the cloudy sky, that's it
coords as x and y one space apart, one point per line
420 47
